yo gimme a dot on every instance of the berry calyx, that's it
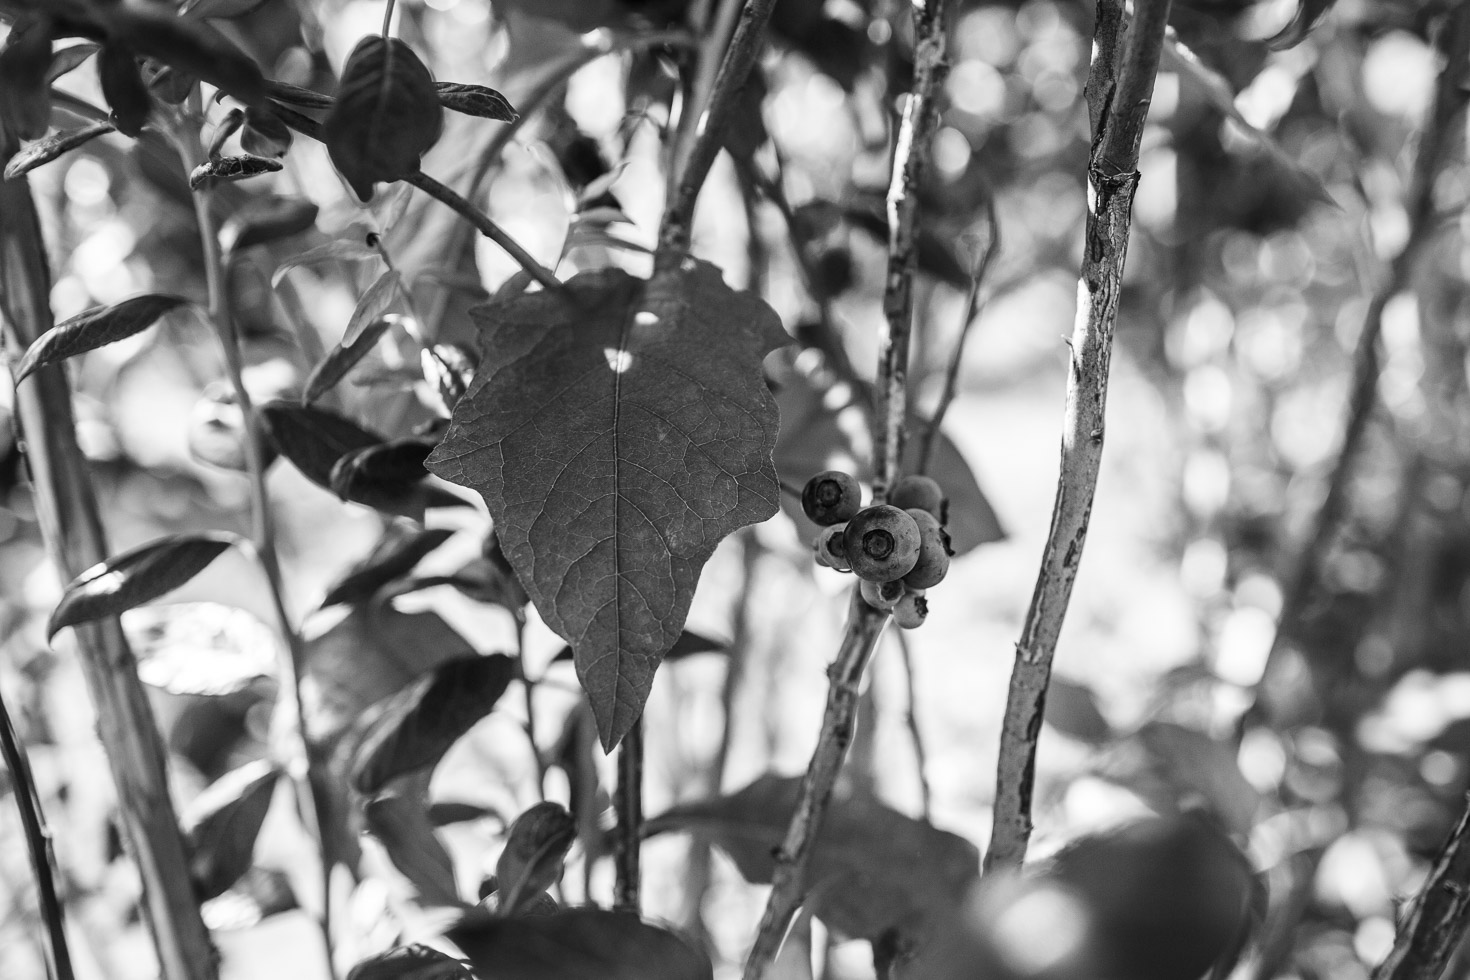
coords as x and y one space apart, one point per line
934 551
882 543
831 497
919 492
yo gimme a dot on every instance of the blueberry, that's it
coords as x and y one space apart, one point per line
882 543
934 551
831 497
919 492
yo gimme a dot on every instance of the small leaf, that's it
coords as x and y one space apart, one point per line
410 963
48 149
688 643
417 726
341 250
534 855
871 871
297 96
134 577
187 46
265 135
578 944
123 88
230 169
394 557
475 100
386 116
69 59
205 649
1071 709
221 9
25 62
651 394
267 220
380 471
222 823
447 812
314 439
373 304
340 360
95 328
402 826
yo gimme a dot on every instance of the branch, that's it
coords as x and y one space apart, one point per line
1118 87
38 845
628 801
911 721
72 528
865 624
1437 920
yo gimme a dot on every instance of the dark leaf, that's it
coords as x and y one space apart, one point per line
650 393
447 812
95 328
417 726
410 963
688 643
222 823
373 304
578 944
264 134
25 64
386 116
123 88
393 466
344 357
222 9
1071 709
1308 14
297 96
395 556
314 438
231 169
266 220
48 149
746 132
872 870
475 100
68 59
201 648
187 46
402 826
134 577
534 855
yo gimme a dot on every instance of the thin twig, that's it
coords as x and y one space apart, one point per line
628 802
1437 920
72 528
387 18
1118 89
706 70
290 706
38 845
485 224
911 719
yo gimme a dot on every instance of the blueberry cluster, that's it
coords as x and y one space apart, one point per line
899 549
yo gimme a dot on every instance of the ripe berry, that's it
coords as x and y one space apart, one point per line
831 497
911 610
831 548
919 492
882 596
934 551
882 543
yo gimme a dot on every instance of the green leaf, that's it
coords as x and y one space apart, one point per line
314 439
341 250
534 855
475 100
1071 709
222 823
136 576
48 149
221 9
69 59
391 478
95 328
188 46
386 116
872 870
395 556
227 170
267 220
402 826
578 944
688 643
265 135
123 88
25 63
410 963
373 304
297 96
618 430
340 360
415 727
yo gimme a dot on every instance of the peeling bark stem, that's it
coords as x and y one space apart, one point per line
72 528
1431 932
1119 86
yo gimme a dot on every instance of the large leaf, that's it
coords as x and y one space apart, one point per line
134 577
410 963
534 855
48 149
386 116
872 870
578 944
314 438
402 826
95 328
418 724
393 557
222 823
618 430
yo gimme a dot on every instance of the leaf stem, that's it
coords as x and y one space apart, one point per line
387 18
628 802
1119 85
38 845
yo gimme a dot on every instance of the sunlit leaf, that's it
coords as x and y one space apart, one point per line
386 116
618 431
341 250
410 963
475 100
230 169
534 855
95 328
578 944
134 577
69 59
314 439
417 726
402 826
222 823
48 149
340 360
373 304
